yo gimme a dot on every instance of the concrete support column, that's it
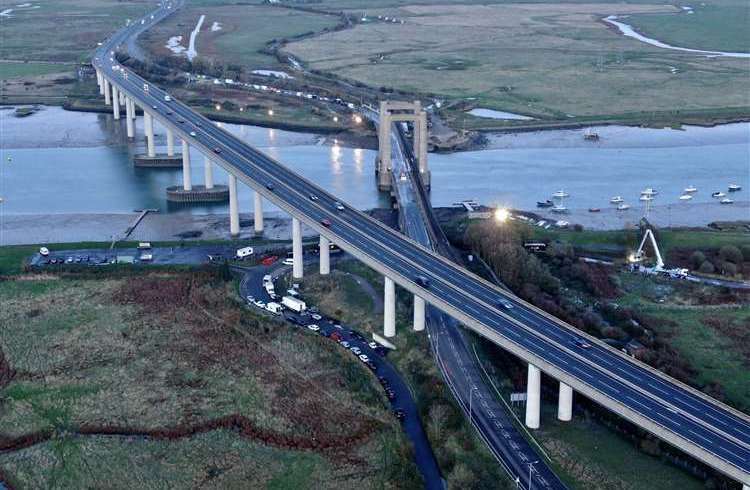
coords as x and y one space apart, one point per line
129 118
122 97
187 181
148 127
389 308
533 397
565 403
170 142
132 109
107 99
297 248
234 214
418 314
745 487
325 256
258 213
100 82
115 102
208 175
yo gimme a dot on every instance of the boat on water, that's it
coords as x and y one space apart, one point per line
544 204
646 197
623 207
649 191
686 197
717 194
590 135
559 209
560 194
594 210
617 200
734 188
726 200
690 189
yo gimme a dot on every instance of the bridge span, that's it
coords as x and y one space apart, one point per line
702 427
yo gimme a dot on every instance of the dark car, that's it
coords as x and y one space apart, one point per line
326 223
217 150
422 281
269 186
399 414
504 303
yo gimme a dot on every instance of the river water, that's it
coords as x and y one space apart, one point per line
80 163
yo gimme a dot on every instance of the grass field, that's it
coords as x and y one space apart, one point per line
18 70
549 60
62 30
245 30
163 377
713 25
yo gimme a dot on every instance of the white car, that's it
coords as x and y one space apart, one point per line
192 133
364 358
44 251
167 98
313 327
288 261
251 299
373 345
260 304
315 316
345 344
356 350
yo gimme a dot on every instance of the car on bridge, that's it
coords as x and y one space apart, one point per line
422 281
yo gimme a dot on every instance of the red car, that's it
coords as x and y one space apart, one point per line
335 336
269 260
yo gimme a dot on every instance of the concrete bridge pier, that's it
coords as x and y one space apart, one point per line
533 397
418 314
122 97
132 109
565 403
129 118
208 174
115 103
745 487
148 127
234 214
106 92
325 256
258 214
187 180
297 268
170 143
389 308
100 82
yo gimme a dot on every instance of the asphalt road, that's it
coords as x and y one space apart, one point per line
401 400
673 411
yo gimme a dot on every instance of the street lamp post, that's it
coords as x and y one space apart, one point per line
531 465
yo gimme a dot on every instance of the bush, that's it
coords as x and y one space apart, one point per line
730 253
706 267
728 268
697 259
745 252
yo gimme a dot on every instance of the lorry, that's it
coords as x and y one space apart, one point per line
294 304
270 289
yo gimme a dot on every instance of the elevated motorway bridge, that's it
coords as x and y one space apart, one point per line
702 427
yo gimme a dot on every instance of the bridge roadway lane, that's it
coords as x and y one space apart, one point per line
705 424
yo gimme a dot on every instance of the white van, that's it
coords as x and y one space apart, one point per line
244 252
44 251
144 245
274 308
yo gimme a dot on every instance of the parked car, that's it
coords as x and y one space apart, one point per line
356 350
288 261
345 344
364 358
313 327
315 316
313 197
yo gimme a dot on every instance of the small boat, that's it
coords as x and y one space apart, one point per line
589 135
734 188
594 210
544 204
648 191
685 197
690 189
726 200
717 194
646 197
560 194
623 207
559 209
617 200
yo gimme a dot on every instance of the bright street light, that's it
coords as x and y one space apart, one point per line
501 215
270 112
